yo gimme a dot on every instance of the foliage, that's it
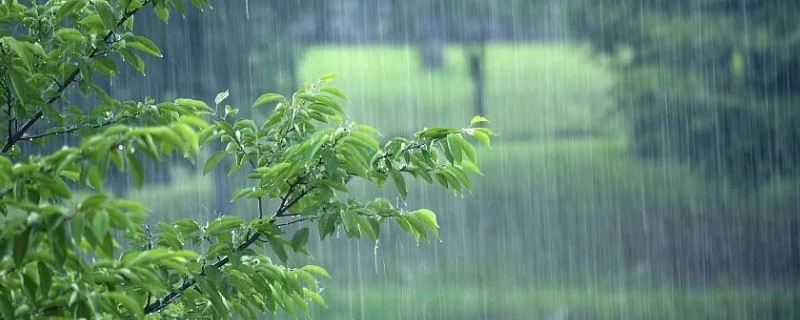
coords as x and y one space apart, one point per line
65 256
713 83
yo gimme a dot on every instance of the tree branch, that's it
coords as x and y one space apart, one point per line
68 130
12 139
166 300
170 297
295 221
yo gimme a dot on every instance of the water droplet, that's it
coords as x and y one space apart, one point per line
375 253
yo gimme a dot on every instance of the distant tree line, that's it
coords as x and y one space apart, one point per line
711 83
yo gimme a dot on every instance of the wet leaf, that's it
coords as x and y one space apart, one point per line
267 98
224 223
399 182
213 161
320 271
145 45
300 238
107 16
477 119
21 246
221 97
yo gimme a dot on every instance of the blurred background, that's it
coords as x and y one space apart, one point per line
646 163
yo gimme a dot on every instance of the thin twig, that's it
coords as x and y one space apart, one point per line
69 130
295 221
170 297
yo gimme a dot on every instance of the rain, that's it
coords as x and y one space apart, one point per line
645 164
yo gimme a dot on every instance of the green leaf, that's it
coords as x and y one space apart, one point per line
91 202
5 305
70 35
224 223
20 50
127 302
446 150
133 59
399 182
59 188
469 150
330 161
211 292
267 98
186 226
327 224
429 218
193 104
316 297
230 111
76 226
67 7
416 225
460 176
107 67
190 142
213 161
221 97
336 92
277 246
328 77
366 227
106 13
136 169
21 246
455 147
145 45
241 193
100 224
328 101
45 278
349 223
320 271
22 87
477 119
482 137
162 12
300 239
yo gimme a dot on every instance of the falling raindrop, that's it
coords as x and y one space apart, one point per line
375 254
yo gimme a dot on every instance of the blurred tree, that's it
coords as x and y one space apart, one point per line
713 83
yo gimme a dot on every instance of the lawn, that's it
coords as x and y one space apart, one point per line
531 89
494 302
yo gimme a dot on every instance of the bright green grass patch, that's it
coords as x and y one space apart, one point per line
587 176
532 89
494 302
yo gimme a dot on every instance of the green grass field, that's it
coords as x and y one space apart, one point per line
531 90
453 302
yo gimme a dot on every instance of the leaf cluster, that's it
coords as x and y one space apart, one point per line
69 249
